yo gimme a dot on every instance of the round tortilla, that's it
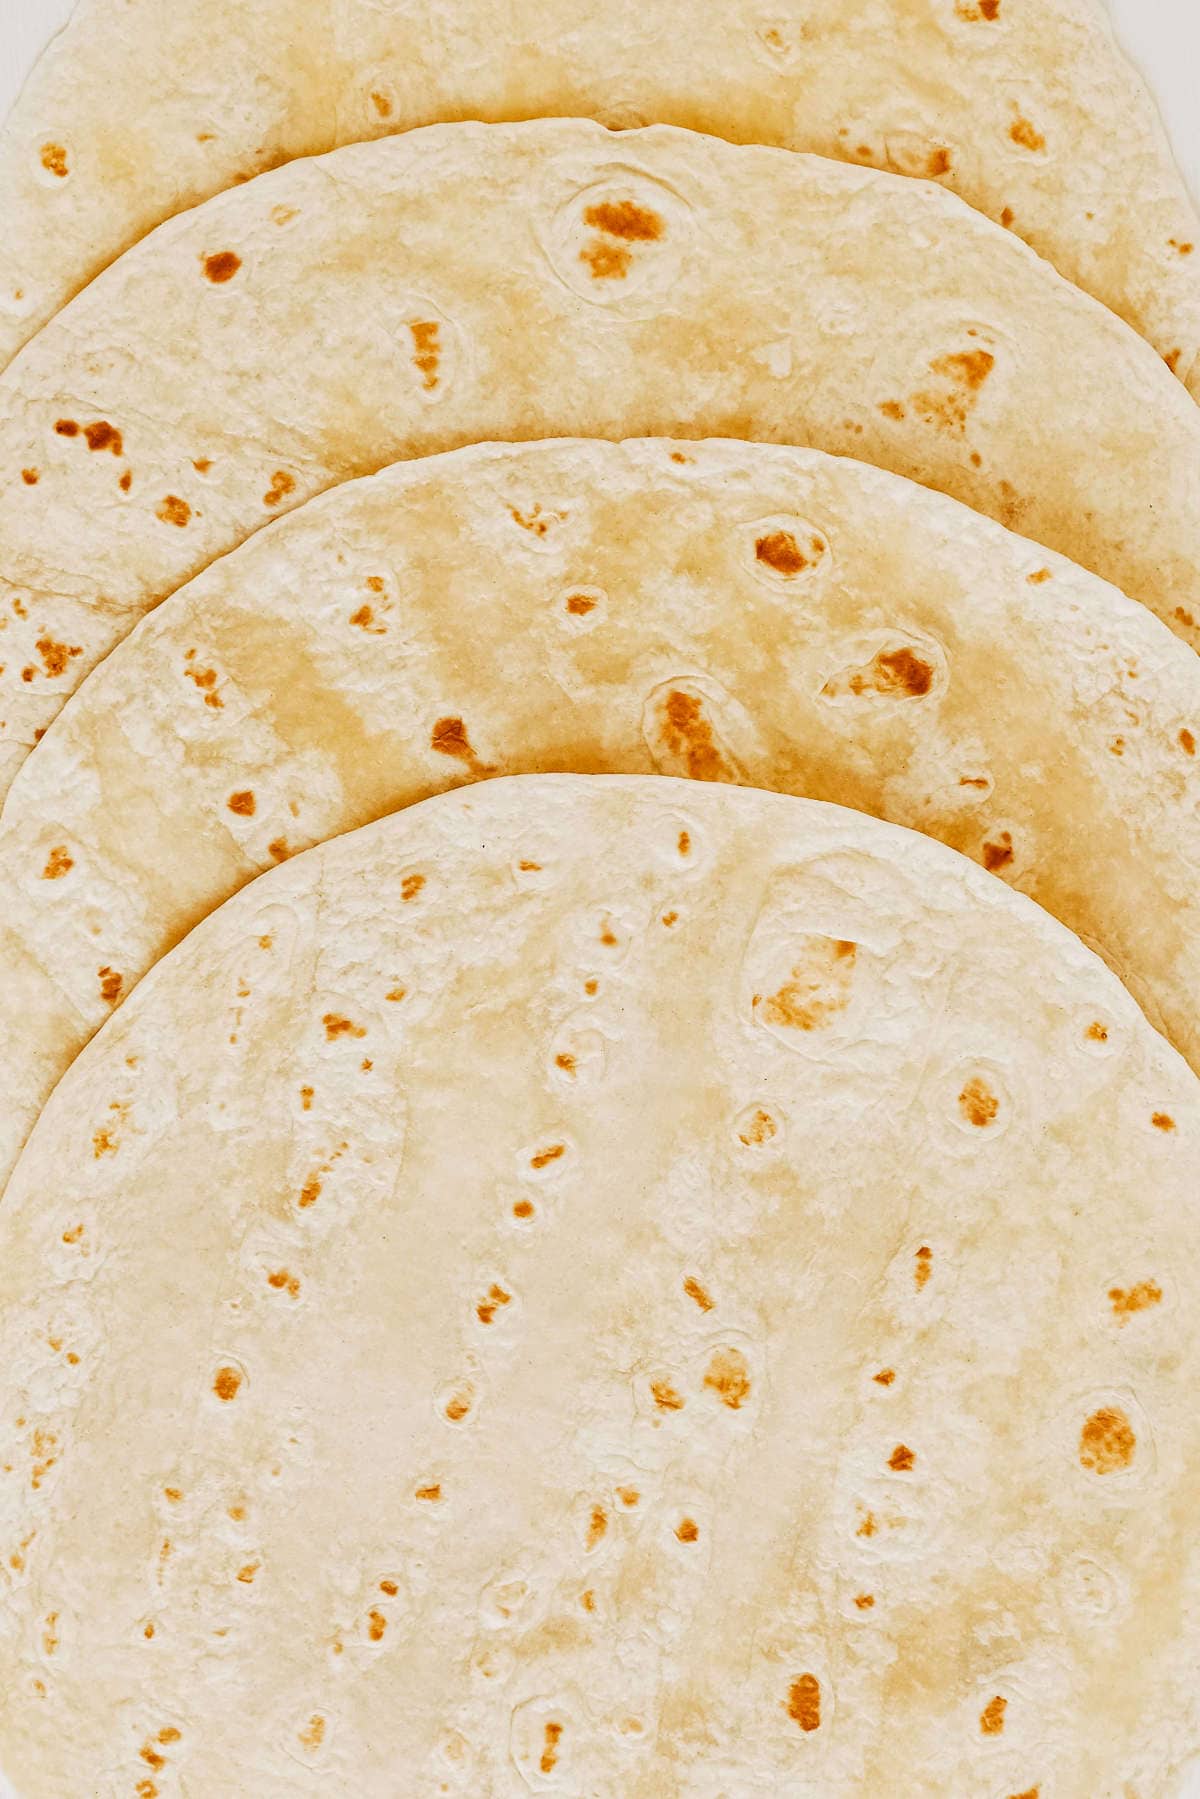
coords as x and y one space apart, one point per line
471 282
735 612
608 1286
1026 108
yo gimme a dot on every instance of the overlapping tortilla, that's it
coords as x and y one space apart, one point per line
1026 108
613 1286
732 612
472 281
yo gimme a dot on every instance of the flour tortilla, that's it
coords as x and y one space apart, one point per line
737 612
1026 108
444 1312
472 281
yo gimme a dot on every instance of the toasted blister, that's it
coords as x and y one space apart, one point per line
741 613
1030 113
819 1367
464 282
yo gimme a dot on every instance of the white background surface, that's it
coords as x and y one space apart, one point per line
1162 37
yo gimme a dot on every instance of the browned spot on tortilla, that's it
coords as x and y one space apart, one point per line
1107 1442
313 1734
427 352
66 428
588 1600
580 604
110 985
1171 358
1128 1300
999 854
1163 1121
565 1061
222 266
924 1267
376 1625
1007 217
759 1129
30 477
1184 249
58 863
202 464
695 1291
55 656
457 1407
282 484
894 671
687 1530
126 481
337 1026
597 1525
226 1383
278 849
991 1718
174 511
901 1458
885 1377
73 1234
553 1733
523 1208
688 737
803 1704
544 1157
243 803
1188 741
977 1103
1029 1793
891 409
450 738
864 1601
608 262
965 372
486 1308
310 1192
382 104
818 989
625 219
728 1376
665 1396
365 619
54 159
938 162
1097 1032
410 886
1025 134
780 551
1038 576
103 436
283 1282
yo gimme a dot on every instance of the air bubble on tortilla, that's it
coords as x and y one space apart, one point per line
787 554
621 242
546 1158
979 1101
692 727
759 1127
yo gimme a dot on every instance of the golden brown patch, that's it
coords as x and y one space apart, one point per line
938 162
110 985
1097 1032
222 266
901 1459
626 220
964 373
1038 576
313 1734
376 1625
728 1376
54 160
580 604
1023 133
103 436
55 656
1188 741
310 1192
1128 1300
597 1526
608 262
885 1377
1162 1121
628 1496
246 1573
66 428
759 1129
174 511
243 803
1107 1442
306 1098
818 989
282 484
226 1383
780 551
283 1282
457 1407
202 464
73 1235
151 1757
553 1734
1007 217
891 409
486 1308
991 1718
894 671
426 350
544 1157
389 1587
523 1208
58 863
565 1061
1171 358
864 1601
665 1396
694 1290
803 1704
410 886
978 1104
336 1026
999 854
924 1267
174 1494
382 104
30 477
588 1600
687 1530
1184 249
449 738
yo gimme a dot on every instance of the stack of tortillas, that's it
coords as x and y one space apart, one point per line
599 905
